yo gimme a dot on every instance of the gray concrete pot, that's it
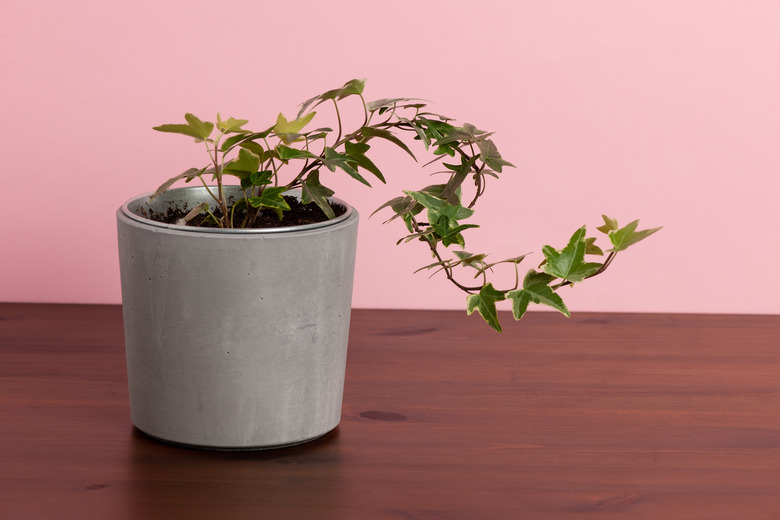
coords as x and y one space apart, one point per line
235 339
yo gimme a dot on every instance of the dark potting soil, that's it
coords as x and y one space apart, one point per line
299 214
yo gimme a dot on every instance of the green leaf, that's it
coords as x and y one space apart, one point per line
449 231
462 171
536 289
179 129
352 87
610 224
286 153
357 153
314 191
271 197
333 160
490 156
427 200
188 174
200 130
628 236
283 126
244 139
569 263
369 132
470 259
591 248
262 178
485 304
231 125
243 165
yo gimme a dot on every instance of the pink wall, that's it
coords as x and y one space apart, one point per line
666 111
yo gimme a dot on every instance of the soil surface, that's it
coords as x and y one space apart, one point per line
299 215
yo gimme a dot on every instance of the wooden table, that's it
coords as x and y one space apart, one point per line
639 416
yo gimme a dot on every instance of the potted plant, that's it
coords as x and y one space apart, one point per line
236 297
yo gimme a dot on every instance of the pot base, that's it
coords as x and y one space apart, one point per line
236 448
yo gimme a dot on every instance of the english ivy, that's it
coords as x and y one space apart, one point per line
258 161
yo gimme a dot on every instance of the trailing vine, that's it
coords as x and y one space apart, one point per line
285 156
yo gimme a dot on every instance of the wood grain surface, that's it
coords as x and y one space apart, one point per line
639 416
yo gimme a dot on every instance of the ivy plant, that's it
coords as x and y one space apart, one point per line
286 156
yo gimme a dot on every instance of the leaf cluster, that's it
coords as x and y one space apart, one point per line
289 155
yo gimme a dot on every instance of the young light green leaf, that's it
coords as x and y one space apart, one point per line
591 248
610 224
283 126
196 128
569 263
352 87
485 304
243 165
232 125
536 289
627 236
314 191
202 128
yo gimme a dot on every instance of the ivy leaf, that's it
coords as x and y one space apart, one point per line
536 289
449 231
569 263
244 139
232 125
197 210
591 248
333 160
283 126
286 153
369 132
490 156
357 153
470 259
399 205
485 304
628 236
200 130
271 197
351 87
450 191
610 224
314 191
261 178
428 200
245 164
373 106
188 174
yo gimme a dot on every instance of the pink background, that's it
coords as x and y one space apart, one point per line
668 111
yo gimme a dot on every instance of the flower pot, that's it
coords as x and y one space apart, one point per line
235 339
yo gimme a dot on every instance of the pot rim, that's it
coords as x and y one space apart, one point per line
141 202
